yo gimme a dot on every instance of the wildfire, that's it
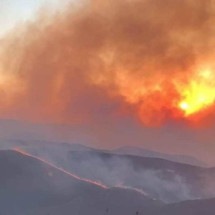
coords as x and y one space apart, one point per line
23 152
199 94
161 96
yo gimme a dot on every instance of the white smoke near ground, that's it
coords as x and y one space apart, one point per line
120 172
117 171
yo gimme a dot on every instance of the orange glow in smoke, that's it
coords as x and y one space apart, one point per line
151 68
199 94
159 96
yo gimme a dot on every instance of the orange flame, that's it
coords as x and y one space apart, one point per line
199 93
159 96
23 152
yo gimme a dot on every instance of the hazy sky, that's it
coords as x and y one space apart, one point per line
13 12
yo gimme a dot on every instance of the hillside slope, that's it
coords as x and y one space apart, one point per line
29 185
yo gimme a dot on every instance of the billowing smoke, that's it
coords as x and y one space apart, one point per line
107 59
